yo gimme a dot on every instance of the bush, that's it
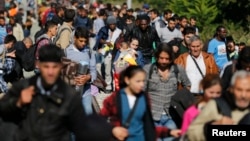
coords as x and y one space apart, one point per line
235 30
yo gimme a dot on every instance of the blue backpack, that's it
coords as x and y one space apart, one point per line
50 16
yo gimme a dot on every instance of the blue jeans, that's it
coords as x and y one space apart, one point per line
87 100
168 122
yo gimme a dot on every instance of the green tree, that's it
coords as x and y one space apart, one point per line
204 10
235 11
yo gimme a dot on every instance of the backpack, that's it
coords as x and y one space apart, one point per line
69 71
36 49
39 33
57 37
28 59
50 16
161 22
180 101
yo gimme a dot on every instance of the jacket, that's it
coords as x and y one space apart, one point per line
83 22
65 37
112 110
210 64
18 32
197 130
102 34
146 45
48 117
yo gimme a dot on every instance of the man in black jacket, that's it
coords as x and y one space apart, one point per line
147 36
242 63
44 107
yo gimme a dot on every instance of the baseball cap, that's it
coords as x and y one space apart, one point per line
146 6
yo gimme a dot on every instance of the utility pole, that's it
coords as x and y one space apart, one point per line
129 3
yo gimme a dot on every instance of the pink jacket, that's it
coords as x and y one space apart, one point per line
189 115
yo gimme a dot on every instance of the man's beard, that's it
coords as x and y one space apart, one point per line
163 67
171 29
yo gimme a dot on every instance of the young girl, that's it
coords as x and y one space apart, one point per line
118 106
211 86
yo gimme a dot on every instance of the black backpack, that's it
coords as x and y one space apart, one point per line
28 59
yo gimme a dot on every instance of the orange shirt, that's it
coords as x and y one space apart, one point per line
13 12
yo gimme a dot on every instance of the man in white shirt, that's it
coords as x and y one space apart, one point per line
105 43
197 64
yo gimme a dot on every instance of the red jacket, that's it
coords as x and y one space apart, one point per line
111 110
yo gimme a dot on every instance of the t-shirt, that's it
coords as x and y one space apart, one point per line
218 49
3 33
183 49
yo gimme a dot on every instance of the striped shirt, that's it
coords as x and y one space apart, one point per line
161 91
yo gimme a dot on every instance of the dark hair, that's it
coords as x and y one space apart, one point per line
129 72
172 19
210 80
163 47
82 9
242 44
74 1
53 5
244 56
144 17
218 29
69 15
188 30
155 11
49 24
59 8
168 11
132 39
9 39
50 53
81 32
130 10
102 12
1 11
109 6
193 18
2 18
175 17
132 18
12 18
182 18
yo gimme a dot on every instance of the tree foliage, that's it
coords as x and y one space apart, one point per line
204 10
235 10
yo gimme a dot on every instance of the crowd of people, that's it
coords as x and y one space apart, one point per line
164 83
